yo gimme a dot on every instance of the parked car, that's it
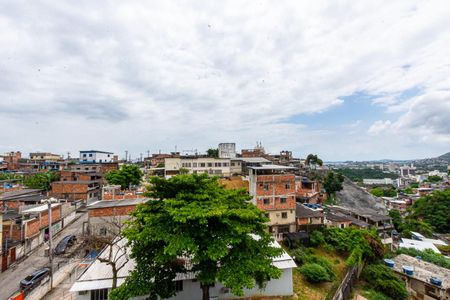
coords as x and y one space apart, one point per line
34 278
65 243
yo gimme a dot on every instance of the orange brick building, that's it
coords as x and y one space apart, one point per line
273 190
78 185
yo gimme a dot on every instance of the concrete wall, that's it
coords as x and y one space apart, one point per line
208 165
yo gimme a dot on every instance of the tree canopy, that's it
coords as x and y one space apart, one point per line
313 160
127 175
333 183
195 219
213 152
434 209
40 180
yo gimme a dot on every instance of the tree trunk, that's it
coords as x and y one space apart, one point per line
205 290
114 276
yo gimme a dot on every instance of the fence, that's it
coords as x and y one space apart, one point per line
345 288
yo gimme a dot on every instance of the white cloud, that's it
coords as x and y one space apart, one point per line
141 75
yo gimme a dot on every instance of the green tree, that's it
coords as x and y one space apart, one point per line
313 160
383 279
434 209
333 183
434 178
397 219
212 152
219 231
377 192
41 180
127 175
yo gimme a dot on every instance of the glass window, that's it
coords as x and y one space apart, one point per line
101 294
283 200
209 165
178 285
266 201
284 215
266 187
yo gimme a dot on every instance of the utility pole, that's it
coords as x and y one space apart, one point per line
126 155
141 157
148 153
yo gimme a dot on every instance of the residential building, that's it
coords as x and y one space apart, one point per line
19 197
308 191
78 185
158 159
247 162
273 190
97 280
337 220
309 216
407 171
44 156
106 217
101 168
423 280
384 181
418 245
12 160
95 156
198 164
227 150
419 237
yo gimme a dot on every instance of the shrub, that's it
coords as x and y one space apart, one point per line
427 255
325 263
317 238
383 279
314 273
374 295
300 256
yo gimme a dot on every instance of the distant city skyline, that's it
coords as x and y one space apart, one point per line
348 81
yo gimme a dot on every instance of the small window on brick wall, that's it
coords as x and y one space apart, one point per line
266 201
283 200
287 186
266 187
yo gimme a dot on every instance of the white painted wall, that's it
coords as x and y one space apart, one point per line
97 157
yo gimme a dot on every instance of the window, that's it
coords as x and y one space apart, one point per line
283 229
178 285
283 200
266 187
287 186
202 165
225 164
267 215
90 154
103 231
266 201
232 164
99 294
284 215
209 165
217 164
194 165
84 155
109 155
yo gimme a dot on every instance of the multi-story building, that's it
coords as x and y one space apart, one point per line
407 171
78 185
227 150
273 190
197 164
11 159
308 191
44 156
95 156
157 160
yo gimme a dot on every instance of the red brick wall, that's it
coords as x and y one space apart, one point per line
275 203
56 216
111 211
33 227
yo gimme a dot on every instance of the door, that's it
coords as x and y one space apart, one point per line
4 262
13 255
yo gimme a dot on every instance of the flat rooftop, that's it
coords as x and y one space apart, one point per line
422 270
116 203
271 167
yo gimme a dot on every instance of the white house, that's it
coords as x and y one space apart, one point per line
96 282
94 156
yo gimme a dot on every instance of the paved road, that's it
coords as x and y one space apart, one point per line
9 280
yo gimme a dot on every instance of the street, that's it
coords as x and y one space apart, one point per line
9 280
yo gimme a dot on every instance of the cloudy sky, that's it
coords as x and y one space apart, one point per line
344 79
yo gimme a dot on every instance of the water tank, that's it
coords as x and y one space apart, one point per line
408 270
436 281
389 262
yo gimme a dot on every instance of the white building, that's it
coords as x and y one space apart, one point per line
384 181
197 164
227 150
94 156
97 281
418 245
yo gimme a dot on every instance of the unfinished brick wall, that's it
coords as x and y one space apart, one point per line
56 216
111 211
33 227
275 203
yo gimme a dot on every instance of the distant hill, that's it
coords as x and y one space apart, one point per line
445 157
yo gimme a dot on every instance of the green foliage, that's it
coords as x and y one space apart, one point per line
358 243
316 238
212 152
333 183
314 273
434 209
9 176
397 219
374 295
384 192
198 218
427 255
360 174
383 279
408 191
184 171
414 185
434 178
127 175
40 180
313 160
